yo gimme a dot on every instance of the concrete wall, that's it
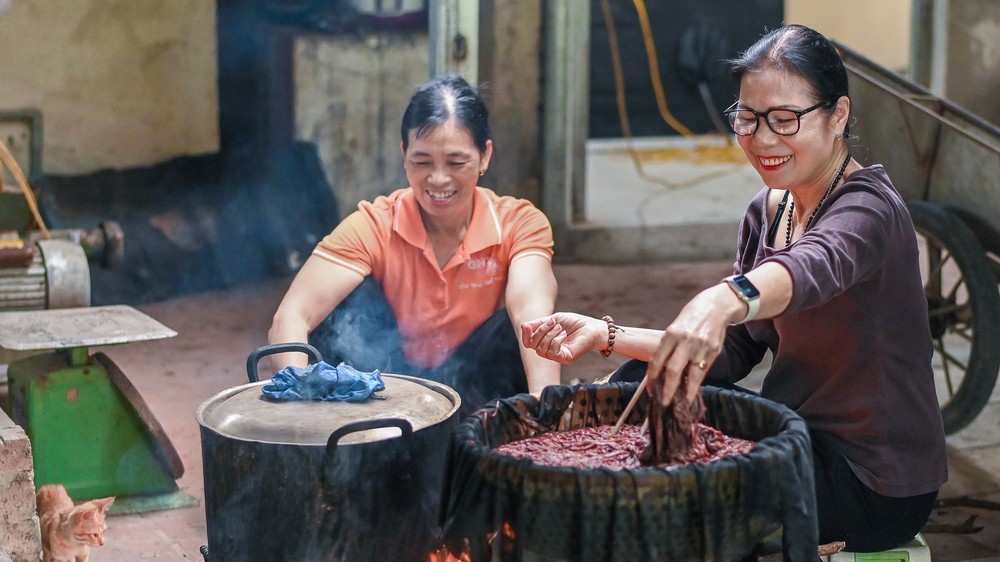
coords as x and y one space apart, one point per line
880 30
972 76
351 91
132 82
118 82
510 67
350 94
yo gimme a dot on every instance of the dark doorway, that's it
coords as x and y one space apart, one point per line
692 40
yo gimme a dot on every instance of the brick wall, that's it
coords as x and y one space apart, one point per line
20 539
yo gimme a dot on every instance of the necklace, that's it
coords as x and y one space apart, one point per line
791 204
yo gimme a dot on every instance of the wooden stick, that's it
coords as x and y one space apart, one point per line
630 406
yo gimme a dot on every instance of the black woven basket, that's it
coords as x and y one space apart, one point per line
500 508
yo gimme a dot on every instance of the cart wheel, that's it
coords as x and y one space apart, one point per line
964 311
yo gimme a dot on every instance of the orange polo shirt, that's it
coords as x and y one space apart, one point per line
437 309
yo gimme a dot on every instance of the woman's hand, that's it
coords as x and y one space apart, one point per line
695 338
691 343
563 337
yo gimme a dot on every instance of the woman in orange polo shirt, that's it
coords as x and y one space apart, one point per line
432 279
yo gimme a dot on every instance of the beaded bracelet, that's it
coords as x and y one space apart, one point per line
612 329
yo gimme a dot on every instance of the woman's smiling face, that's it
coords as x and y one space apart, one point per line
794 161
443 168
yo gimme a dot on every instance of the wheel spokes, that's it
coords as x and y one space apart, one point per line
947 312
939 346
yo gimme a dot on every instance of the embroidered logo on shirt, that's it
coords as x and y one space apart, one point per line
487 271
486 266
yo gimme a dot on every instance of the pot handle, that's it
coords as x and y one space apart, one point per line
331 443
265 350
331 484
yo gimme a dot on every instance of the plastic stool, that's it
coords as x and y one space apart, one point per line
913 551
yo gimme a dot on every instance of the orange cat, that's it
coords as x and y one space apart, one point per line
68 531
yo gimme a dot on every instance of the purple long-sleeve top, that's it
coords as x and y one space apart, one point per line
852 352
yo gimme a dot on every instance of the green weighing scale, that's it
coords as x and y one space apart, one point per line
89 428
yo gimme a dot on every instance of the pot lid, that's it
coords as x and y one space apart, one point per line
243 412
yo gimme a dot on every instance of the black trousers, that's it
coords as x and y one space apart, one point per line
854 513
847 509
362 332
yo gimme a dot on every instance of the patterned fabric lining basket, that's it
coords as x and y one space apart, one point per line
496 507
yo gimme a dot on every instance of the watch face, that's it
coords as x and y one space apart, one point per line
745 287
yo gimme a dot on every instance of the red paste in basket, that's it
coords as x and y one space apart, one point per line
595 447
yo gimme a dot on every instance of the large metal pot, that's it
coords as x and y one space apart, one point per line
311 480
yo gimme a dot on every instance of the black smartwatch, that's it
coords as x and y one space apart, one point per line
747 293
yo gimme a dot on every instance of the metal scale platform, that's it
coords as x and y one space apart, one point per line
89 428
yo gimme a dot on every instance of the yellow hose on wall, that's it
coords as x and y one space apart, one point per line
8 161
654 70
703 152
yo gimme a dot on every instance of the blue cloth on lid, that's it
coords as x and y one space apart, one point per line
322 381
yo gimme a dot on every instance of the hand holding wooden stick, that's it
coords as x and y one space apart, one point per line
630 406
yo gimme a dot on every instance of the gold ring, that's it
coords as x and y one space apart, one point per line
702 364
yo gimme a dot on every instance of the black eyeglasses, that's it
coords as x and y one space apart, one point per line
784 122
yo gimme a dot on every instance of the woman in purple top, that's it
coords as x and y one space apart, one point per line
827 279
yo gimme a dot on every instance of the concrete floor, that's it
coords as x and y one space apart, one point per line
217 330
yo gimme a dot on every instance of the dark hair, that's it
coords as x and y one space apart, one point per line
442 99
804 52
